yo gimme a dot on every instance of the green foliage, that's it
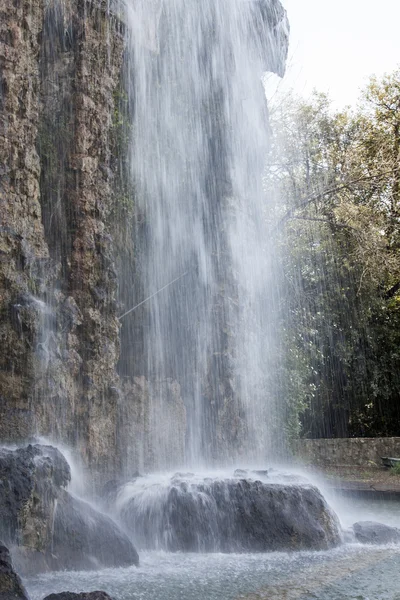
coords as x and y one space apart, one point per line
395 470
337 176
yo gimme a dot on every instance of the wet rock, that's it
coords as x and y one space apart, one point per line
30 479
241 473
11 587
82 596
143 417
262 473
47 527
271 17
59 136
229 515
369 532
84 538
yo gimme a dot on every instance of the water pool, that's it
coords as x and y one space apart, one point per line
351 571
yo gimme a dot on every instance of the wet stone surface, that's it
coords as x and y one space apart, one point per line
216 514
370 532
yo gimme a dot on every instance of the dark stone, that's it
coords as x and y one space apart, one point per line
109 491
232 515
86 539
30 478
70 313
48 528
369 532
11 587
81 596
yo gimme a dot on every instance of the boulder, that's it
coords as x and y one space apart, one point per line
30 480
85 538
369 532
227 515
45 526
11 587
82 596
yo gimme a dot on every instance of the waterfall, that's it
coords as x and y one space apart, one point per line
201 348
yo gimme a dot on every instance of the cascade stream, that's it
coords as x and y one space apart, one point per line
199 133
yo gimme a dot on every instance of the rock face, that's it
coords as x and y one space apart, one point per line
227 515
153 432
369 532
83 596
60 66
270 16
24 256
48 528
11 587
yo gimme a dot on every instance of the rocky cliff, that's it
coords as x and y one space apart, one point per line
69 230
60 65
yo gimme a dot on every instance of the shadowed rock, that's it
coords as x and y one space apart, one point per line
86 539
11 587
228 515
46 527
30 480
369 532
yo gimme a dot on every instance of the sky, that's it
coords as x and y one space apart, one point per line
337 44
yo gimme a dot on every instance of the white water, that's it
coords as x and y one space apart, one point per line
199 138
348 573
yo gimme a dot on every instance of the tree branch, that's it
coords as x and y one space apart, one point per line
327 221
320 195
392 292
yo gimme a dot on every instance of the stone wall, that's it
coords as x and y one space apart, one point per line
359 452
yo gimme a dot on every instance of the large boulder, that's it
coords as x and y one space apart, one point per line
82 596
227 515
369 532
11 587
47 528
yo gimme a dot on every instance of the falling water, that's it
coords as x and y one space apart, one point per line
201 348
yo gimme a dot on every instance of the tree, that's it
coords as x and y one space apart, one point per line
337 177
